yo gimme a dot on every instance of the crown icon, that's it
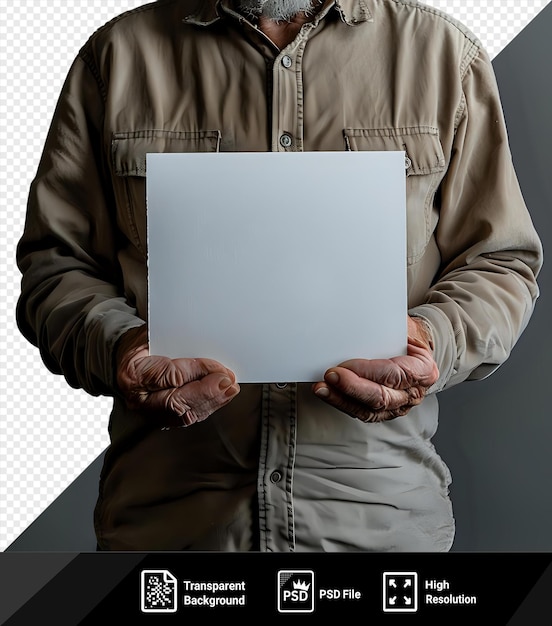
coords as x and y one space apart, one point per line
299 584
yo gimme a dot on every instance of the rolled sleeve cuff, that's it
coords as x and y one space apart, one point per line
103 331
444 342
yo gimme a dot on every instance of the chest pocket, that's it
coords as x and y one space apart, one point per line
128 160
424 169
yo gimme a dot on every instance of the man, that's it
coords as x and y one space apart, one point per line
197 462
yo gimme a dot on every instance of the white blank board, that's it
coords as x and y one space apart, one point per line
278 265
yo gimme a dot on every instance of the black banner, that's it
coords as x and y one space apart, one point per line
193 588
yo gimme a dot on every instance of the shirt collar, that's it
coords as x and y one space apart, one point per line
352 12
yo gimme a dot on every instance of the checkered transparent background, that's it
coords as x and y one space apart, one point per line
49 432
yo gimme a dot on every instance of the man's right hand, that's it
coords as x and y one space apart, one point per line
180 392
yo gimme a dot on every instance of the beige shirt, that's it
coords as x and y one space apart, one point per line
277 469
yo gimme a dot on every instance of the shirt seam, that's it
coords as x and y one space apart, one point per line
291 467
465 66
86 55
447 18
264 529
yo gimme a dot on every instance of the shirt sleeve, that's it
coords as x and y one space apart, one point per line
72 304
486 291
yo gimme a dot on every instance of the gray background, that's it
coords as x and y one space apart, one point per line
494 434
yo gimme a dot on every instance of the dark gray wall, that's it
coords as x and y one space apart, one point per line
495 435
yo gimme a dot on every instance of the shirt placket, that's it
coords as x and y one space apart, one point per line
278 443
276 465
287 95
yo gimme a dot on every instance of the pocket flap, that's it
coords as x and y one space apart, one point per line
424 153
129 149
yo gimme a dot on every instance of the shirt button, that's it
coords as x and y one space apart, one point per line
275 477
285 140
286 61
407 162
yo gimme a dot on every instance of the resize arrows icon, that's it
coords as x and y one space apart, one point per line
400 592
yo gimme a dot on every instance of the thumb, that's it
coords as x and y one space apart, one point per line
200 398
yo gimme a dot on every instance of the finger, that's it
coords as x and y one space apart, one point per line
373 395
194 369
382 371
154 373
402 372
359 409
190 403
199 399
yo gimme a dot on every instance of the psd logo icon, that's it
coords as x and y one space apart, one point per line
295 591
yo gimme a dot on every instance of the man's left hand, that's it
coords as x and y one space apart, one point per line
376 390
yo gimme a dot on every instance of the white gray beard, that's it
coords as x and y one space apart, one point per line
277 10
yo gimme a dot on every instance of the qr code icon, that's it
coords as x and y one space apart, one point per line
158 591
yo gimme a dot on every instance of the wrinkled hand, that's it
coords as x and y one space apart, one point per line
179 391
376 390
